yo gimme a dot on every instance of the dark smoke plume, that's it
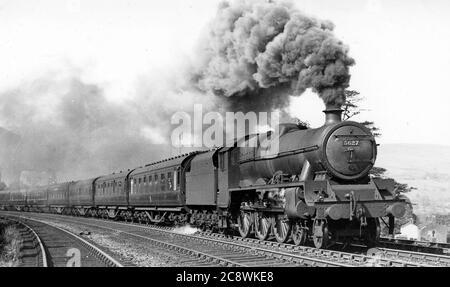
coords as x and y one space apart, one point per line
257 53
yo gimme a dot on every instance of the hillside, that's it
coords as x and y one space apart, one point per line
426 167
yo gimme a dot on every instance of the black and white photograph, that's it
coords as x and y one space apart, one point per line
224 134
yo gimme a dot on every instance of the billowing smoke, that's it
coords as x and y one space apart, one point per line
67 127
257 53
186 229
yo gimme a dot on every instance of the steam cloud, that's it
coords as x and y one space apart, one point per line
258 53
67 127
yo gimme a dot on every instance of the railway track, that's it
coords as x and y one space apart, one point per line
217 249
58 247
416 245
430 259
372 259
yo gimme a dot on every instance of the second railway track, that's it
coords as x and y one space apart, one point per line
57 247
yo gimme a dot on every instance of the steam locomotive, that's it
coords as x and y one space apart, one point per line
315 188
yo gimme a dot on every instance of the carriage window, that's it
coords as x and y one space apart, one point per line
175 180
120 183
178 178
149 179
169 181
163 181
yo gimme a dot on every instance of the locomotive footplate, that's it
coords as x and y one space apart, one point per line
359 210
351 201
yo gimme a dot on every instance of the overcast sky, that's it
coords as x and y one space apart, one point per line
401 48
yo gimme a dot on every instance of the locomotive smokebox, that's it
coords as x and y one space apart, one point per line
332 116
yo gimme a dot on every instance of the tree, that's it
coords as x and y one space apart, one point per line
351 108
2 186
400 187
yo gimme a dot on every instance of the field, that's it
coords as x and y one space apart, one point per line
425 167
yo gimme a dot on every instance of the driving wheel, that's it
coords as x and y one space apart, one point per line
244 224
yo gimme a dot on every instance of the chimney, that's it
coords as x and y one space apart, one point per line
332 116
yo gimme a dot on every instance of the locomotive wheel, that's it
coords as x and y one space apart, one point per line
372 232
262 226
299 234
245 224
320 233
281 229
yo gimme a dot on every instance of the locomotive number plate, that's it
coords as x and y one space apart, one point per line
351 142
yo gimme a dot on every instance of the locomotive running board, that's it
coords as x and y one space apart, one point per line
282 154
268 186
159 208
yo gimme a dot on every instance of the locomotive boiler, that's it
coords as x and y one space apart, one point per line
344 150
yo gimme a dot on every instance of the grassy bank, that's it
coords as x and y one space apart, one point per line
10 243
